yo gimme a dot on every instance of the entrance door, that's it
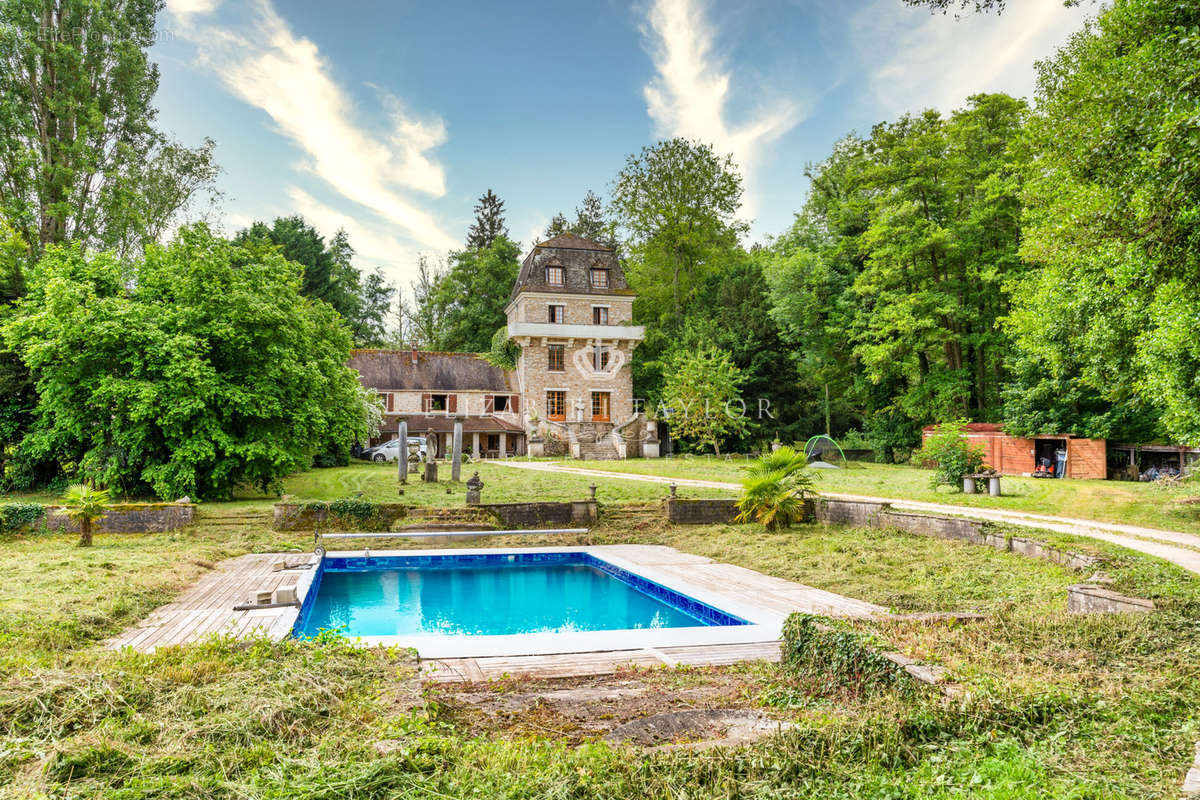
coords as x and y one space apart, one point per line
600 406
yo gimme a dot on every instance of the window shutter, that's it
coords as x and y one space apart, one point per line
389 401
452 403
426 403
514 404
489 404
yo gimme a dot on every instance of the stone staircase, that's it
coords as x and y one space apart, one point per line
595 441
636 516
234 520
446 519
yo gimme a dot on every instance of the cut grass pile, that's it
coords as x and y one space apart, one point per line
1056 706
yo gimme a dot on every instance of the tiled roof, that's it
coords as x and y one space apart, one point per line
569 241
418 424
394 370
577 256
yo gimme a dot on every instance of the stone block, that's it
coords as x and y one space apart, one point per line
1086 598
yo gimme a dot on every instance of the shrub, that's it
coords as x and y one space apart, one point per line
775 489
838 659
952 455
16 517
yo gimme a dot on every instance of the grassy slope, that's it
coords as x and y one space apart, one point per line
1107 501
1059 706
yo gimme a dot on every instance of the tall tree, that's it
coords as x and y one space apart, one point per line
1111 200
489 222
330 275
190 371
677 201
424 321
80 158
702 394
468 299
557 226
892 280
591 222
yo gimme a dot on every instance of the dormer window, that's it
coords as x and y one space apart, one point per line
555 276
599 278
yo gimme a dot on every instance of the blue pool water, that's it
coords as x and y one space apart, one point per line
419 596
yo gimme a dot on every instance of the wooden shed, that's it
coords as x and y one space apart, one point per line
1015 455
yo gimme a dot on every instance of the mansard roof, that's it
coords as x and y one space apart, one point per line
576 256
395 370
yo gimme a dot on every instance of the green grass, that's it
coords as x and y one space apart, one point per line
1057 706
1107 501
378 482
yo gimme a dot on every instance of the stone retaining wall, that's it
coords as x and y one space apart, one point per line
882 515
567 514
126 518
716 511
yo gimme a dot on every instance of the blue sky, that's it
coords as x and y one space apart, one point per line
390 118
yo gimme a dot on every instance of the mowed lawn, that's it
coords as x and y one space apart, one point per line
1107 501
1056 705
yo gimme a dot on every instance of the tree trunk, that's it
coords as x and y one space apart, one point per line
85 532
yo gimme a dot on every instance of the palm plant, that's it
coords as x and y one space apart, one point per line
775 489
85 505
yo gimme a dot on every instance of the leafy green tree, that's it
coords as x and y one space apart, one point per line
1109 214
702 394
775 489
891 282
422 321
557 226
952 454
489 222
677 202
81 158
193 370
468 300
330 275
85 505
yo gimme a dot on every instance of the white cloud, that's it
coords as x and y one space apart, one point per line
186 8
372 247
688 97
920 60
269 67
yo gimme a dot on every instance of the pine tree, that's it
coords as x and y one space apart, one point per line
557 227
589 221
489 222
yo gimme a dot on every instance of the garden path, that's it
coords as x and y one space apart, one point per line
1182 549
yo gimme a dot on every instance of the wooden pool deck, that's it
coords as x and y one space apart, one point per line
207 608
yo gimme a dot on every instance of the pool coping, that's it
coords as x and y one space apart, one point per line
764 624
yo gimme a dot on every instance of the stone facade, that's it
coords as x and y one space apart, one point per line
508 412
559 307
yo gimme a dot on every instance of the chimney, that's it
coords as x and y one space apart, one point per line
414 353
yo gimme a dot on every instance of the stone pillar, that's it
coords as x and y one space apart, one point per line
475 445
503 445
650 445
456 453
402 455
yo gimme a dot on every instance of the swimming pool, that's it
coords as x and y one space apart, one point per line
411 599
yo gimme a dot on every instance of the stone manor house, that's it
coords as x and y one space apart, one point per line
572 389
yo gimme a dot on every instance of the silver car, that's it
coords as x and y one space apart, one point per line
390 451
